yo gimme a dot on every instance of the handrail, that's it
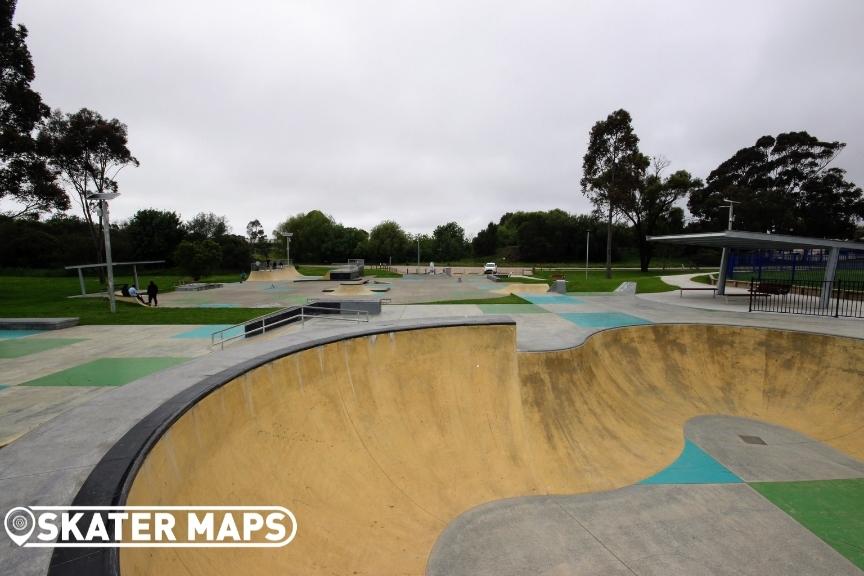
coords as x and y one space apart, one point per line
245 322
302 316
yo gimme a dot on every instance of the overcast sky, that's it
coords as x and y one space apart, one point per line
435 110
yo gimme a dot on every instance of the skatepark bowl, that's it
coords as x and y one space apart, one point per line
396 449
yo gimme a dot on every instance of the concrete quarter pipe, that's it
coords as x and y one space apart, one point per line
286 274
378 443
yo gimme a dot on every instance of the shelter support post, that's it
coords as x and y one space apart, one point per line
721 279
828 279
135 275
81 282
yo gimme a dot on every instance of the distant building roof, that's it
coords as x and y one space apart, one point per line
754 240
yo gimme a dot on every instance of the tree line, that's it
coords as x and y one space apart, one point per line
205 243
539 236
198 246
783 184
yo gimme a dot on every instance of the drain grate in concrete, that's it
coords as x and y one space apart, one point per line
752 439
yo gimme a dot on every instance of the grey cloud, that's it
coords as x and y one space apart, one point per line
425 112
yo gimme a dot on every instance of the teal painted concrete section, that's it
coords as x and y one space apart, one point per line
204 332
6 334
603 319
694 466
550 299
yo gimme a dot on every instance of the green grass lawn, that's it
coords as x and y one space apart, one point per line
627 262
704 279
367 272
313 270
509 299
35 297
597 282
800 275
524 280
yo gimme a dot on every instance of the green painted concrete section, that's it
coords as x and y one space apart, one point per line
511 309
831 509
17 347
107 372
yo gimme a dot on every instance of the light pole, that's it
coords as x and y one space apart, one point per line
288 236
724 259
587 245
418 253
103 199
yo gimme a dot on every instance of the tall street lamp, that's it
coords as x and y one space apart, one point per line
724 258
288 246
288 236
103 199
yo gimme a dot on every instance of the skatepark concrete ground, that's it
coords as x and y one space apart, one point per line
488 447
409 289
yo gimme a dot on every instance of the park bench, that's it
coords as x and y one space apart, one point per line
681 289
761 289
769 288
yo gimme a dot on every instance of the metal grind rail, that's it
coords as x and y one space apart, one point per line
285 316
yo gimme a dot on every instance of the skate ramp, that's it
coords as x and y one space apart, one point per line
352 290
286 274
377 443
523 288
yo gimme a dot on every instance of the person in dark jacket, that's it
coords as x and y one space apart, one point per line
152 292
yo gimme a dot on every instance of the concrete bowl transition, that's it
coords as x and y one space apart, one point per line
376 443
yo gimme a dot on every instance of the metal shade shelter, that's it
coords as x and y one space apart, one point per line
740 240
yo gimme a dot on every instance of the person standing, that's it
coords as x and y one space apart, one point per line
152 293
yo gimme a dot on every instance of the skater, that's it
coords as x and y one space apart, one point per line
133 292
152 293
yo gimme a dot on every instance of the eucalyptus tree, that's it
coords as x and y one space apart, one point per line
613 169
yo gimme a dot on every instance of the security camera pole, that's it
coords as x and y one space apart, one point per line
103 199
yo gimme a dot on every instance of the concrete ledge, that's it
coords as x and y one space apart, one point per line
196 287
37 323
628 288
